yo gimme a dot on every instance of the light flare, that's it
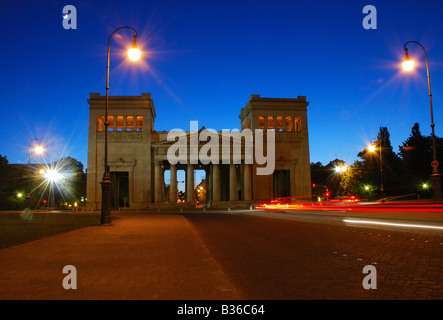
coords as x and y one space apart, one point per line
408 65
134 54
38 149
57 176
53 175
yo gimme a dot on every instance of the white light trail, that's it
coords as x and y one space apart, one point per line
408 225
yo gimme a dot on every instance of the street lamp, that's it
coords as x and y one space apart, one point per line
134 54
38 149
436 179
372 148
425 187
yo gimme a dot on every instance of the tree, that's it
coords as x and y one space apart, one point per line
326 177
369 169
318 173
16 183
417 154
353 180
3 181
77 181
393 178
70 185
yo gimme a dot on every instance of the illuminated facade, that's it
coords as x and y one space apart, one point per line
138 156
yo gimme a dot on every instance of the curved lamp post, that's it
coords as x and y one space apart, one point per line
408 65
134 54
37 149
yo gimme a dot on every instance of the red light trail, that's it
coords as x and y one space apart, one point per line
349 204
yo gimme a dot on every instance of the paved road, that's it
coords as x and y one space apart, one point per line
141 256
230 255
306 255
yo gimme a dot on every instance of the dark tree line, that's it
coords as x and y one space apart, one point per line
25 186
404 173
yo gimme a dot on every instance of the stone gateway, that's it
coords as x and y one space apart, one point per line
138 155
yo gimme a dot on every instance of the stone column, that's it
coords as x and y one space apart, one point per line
173 184
215 182
190 183
158 185
247 182
209 186
232 182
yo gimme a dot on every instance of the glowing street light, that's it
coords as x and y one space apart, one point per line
134 54
38 149
436 179
408 64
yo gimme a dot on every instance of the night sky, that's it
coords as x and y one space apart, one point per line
203 59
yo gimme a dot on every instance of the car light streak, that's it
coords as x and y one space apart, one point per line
348 204
408 225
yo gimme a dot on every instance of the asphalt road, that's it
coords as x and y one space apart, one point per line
307 255
235 255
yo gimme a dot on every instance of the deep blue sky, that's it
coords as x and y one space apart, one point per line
204 58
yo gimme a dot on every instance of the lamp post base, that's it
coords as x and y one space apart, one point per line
106 201
436 187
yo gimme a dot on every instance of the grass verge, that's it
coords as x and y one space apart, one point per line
21 227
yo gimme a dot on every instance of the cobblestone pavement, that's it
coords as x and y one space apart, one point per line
284 259
141 256
231 256
409 264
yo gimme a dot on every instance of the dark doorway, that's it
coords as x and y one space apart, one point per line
282 183
120 189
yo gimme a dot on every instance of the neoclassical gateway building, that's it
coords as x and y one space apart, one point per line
139 161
